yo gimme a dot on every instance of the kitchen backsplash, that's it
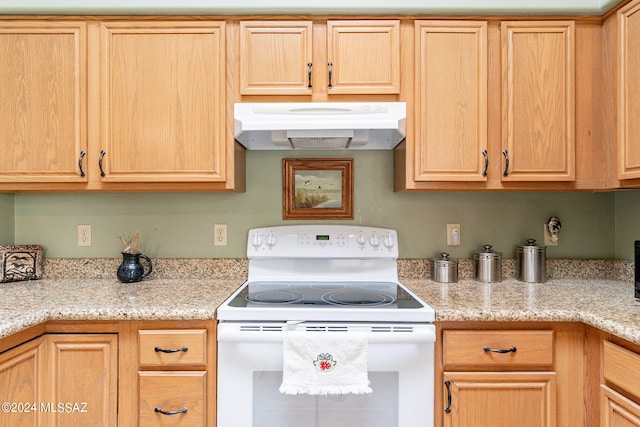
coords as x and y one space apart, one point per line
236 268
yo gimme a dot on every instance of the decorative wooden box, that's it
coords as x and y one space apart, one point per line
20 262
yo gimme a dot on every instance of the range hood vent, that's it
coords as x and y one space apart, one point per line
320 125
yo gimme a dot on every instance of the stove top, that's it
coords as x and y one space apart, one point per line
323 273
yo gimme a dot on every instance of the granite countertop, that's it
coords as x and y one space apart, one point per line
25 304
605 304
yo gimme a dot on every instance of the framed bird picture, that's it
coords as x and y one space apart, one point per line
317 188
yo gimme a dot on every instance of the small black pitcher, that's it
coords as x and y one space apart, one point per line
131 270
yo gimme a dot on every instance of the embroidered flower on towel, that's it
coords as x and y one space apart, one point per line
324 362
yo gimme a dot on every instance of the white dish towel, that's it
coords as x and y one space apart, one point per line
325 363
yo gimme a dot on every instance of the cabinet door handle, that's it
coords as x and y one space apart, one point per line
102 153
163 412
309 65
330 65
505 153
447 410
82 154
511 349
486 162
159 349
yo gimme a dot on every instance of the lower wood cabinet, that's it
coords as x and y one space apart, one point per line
620 388
178 394
61 380
504 374
524 399
108 374
618 411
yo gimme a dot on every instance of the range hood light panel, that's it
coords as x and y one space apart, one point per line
320 125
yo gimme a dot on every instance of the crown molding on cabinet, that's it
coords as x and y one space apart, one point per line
323 7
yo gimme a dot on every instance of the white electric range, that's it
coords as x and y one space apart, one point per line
324 279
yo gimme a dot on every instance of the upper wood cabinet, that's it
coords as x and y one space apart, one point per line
162 93
287 58
629 91
538 100
115 105
363 57
451 101
43 77
276 57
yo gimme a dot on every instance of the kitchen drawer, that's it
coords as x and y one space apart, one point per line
513 348
177 347
622 368
180 393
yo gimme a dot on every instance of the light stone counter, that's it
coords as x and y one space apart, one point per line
192 289
605 304
25 304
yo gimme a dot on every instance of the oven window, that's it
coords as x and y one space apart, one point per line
274 409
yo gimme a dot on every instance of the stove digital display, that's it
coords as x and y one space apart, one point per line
322 237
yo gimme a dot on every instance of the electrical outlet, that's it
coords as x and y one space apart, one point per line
84 234
220 234
453 234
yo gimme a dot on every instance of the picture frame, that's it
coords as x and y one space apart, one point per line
317 188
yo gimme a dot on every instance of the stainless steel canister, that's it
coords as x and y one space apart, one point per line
488 265
445 269
532 262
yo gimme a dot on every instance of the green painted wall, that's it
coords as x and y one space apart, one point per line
7 218
181 224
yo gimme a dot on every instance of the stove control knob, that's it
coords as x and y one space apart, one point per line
256 241
361 241
375 241
271 240
388 241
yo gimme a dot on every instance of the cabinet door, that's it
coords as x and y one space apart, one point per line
538 104
451 101
21 370
617 410
43 109
276 57
629 92
83 375
163 101
363 57
500 399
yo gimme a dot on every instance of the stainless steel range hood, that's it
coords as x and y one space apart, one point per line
320 125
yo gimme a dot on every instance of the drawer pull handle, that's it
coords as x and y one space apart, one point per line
497 350
447 410
170 350
163 412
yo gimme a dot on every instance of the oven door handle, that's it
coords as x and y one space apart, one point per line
415 337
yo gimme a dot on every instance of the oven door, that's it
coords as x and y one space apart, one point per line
401 368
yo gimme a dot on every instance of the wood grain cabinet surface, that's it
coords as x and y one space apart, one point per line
538 100
77 371
629 91
451 101
620 391
43 77
511 374
163 111
115 105
306 58
175 374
